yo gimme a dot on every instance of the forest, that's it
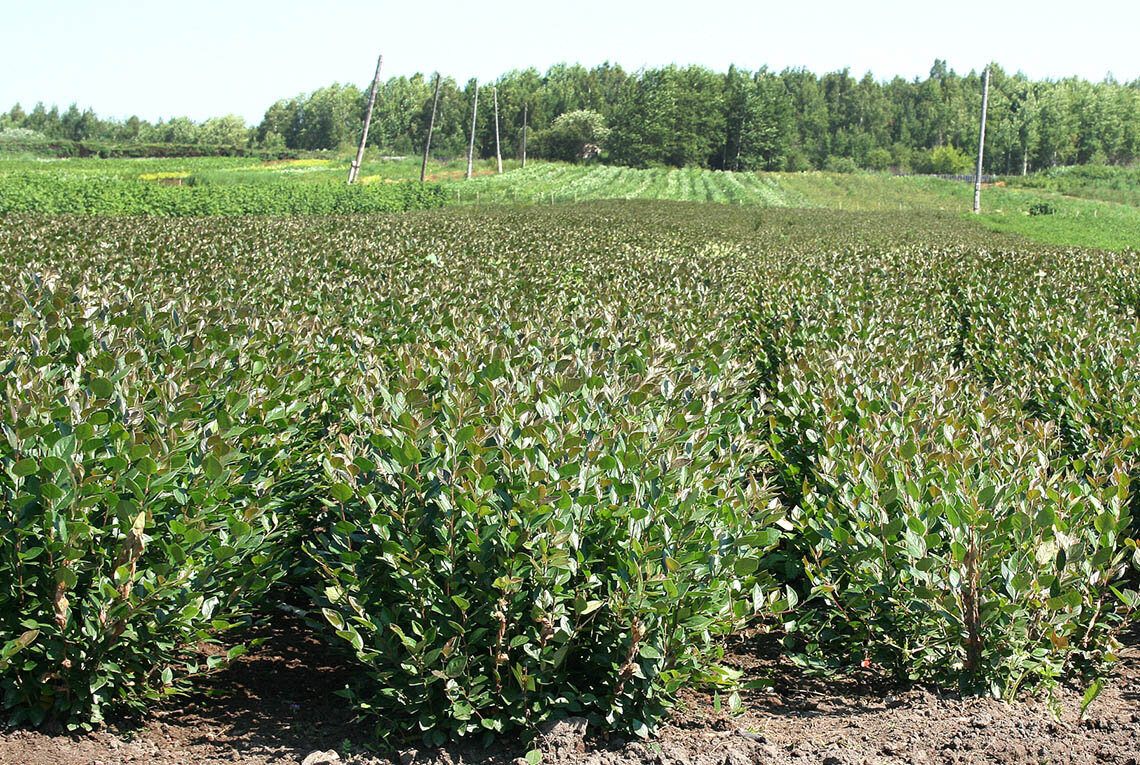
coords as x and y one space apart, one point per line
678 116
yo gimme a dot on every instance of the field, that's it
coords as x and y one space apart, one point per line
1088 207
512 463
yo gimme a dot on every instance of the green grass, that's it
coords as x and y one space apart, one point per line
1097 182
1077 223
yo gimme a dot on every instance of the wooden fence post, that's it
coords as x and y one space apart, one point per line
471 144
498 153
431 127
354 170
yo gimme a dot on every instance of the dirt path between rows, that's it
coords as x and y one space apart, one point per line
278 705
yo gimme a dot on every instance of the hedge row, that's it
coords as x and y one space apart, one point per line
66 148
35 193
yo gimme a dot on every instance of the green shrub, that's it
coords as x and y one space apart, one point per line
879 159
1042 208
523 456
944 160
513 537
951 538
134 514
840 165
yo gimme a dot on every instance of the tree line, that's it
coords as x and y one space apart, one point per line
689 116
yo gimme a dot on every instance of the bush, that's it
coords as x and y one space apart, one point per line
1042 208
879 159
574 547
941 548
944 160
798 161
133 515
840 165
574 137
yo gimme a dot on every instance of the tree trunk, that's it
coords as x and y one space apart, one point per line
524 136
431 127
471 144
498 152
354 170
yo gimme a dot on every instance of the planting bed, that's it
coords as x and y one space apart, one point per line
277 705
524 466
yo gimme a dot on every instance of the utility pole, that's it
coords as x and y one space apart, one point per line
431 127
498 153
981 142
524 135
354 170
471 144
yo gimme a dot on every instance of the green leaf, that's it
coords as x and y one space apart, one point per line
590 606
239 528
101 387
212 467
352 636
455 666
745 566
25 467
1090 696
334 618
65 576
341 492
12 647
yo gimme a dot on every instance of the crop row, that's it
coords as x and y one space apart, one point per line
546 182
530 462
62 194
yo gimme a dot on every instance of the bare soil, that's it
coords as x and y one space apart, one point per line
278 704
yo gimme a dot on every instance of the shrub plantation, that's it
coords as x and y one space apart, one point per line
530 462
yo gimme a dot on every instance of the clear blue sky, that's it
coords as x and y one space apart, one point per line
209 58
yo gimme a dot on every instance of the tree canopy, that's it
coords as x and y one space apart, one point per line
688 116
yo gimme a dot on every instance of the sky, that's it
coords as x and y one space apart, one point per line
210 58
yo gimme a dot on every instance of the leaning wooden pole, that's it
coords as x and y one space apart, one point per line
981 142
524 136
498 153
431 127
471 143
355 169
